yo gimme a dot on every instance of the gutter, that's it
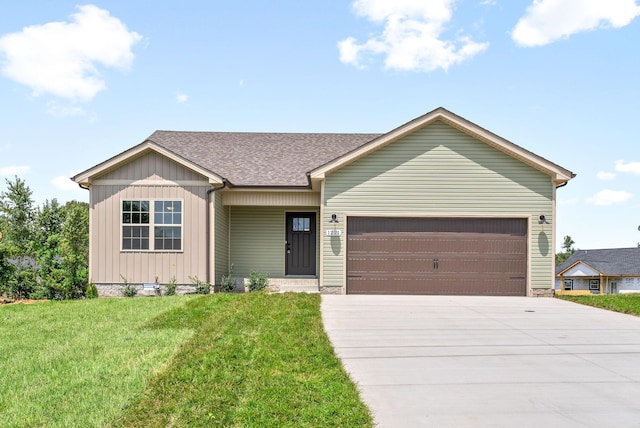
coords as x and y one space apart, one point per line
208 228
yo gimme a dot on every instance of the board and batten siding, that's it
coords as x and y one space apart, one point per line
108 262
439 171
257 236
152 166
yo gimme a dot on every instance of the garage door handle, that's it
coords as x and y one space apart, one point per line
354 276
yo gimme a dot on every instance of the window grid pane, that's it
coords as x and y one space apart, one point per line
167 221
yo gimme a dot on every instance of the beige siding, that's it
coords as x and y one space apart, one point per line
300 199
440 171
221 236
152 166
108 262
257 239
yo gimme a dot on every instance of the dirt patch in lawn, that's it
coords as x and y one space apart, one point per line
6 301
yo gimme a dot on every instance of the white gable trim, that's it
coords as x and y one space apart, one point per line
86 178
580 269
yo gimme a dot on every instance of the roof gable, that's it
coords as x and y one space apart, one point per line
559 174
581 269
86 177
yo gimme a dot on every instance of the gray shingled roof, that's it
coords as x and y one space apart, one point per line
610 262
259 159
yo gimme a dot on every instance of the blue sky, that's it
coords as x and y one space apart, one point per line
83 82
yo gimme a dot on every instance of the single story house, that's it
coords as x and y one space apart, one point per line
438 205
606 271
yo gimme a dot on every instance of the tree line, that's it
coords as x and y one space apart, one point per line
44 250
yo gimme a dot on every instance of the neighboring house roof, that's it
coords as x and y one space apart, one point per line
292 159
609 262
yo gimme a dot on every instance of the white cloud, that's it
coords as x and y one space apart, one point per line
63 182
632 167
61 58
411 38
10 171
181 98
603 175
549 20
61 111
609 197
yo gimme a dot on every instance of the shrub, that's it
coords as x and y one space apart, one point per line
258 281
201 286
128 290
91 292
24 280
6 271
228 283
170 289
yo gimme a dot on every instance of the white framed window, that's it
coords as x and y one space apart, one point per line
594 284
152 225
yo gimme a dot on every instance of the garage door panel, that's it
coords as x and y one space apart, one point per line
432 286
436 256
425 242
501 264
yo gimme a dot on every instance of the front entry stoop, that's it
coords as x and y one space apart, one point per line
294 284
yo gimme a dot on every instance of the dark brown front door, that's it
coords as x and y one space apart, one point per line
473 256
300 244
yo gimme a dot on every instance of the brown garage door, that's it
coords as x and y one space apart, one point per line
436 256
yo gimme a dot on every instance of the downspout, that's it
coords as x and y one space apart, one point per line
208 229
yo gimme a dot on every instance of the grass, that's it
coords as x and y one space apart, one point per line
625 303
256 360
79 363
226 360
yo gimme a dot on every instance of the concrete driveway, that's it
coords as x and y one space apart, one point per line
444 361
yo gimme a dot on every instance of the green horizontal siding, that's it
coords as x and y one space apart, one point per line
257 236
439 170
221 227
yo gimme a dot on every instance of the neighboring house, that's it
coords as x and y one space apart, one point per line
438 205
608 271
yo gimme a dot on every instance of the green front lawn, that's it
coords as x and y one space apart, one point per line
625 303
220 360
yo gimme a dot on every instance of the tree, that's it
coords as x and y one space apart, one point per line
567 246
45 250
16 209
74 249
63 249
